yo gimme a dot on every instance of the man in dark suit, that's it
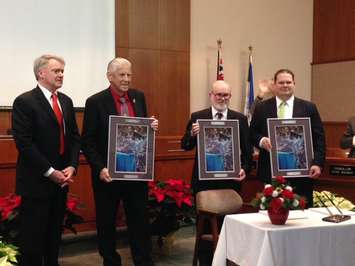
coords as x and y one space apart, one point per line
108 193
348 139
47 140
220 95
284 86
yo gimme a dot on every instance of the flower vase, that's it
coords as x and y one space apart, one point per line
278 216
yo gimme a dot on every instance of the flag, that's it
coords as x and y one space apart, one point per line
220 75
249 96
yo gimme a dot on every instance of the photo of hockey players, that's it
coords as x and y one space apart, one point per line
131 148
219 149
290 147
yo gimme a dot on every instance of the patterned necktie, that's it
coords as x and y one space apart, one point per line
219 115
124 107
59 116
281 111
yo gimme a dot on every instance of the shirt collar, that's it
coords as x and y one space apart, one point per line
117 97
47 93
215 111
289 102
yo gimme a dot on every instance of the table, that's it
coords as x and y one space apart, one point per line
251 240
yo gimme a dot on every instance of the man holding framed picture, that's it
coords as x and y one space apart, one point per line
285 105
220 95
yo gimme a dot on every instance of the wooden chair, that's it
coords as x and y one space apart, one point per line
211 204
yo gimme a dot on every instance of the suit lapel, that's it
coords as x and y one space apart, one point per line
42 101
110 103
272 109
132 98
297 109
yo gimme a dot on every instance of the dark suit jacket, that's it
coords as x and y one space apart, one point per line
98 108
37 134
188 142
346 141
258 129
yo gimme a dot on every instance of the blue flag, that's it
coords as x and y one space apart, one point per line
249 96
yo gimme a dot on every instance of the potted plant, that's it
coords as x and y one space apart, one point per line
278 198
170 206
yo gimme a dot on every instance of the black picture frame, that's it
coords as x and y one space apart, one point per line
218 149
292 147
131 148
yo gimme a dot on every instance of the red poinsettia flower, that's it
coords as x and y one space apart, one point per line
302 203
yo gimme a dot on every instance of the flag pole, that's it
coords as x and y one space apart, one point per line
219 73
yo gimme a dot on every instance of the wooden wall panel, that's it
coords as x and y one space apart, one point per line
333 31
155 36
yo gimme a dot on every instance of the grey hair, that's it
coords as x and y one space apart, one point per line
43 60
116 63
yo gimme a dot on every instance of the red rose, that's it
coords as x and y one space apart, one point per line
276 204
280 179
268 191
302 203
288 194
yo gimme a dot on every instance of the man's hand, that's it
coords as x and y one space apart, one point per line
315 171
59 178
105 175
155 124
69 172
195 129
241 175
265 143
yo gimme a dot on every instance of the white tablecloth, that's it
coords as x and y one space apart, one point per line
251 240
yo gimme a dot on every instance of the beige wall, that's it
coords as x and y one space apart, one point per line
332 84
280 32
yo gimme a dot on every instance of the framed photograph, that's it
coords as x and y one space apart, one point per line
292 149
218 149
131 148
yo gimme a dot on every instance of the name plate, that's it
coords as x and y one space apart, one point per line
342 170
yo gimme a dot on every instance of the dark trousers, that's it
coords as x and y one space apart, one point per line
135 198
303 186
41 229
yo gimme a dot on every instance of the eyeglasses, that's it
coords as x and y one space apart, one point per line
222 95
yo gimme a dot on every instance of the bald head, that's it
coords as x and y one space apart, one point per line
220 95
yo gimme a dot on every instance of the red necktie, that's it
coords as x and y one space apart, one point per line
59 115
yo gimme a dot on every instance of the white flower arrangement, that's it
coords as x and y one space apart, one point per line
328 197
8 254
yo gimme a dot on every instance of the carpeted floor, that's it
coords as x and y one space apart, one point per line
176 250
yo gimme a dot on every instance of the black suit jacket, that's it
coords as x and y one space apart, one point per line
258 129
346 141
37 136
188 142
98 108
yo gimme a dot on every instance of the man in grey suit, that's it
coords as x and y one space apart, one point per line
47 140
348 139
109 193
284 86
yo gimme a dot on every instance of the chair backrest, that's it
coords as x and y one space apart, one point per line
218 201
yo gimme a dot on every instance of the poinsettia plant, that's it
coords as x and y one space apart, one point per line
9 216
279 194
170 206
